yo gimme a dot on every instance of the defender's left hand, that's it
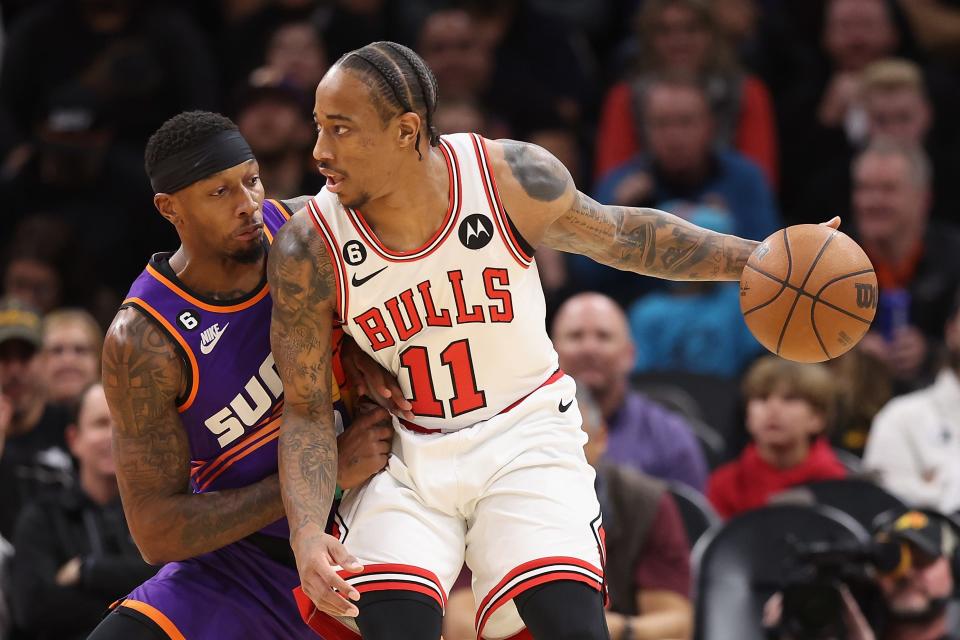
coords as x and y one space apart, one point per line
367 377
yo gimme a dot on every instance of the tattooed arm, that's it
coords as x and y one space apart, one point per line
547 208
304 297
142 377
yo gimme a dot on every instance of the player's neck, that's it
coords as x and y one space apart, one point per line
415 208
216 277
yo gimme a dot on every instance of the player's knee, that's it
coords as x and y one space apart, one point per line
399 615
563 610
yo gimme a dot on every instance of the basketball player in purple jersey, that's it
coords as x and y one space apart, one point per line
197 399
423 247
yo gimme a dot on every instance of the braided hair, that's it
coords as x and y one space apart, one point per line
400 79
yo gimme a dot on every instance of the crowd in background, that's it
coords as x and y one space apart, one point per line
742 116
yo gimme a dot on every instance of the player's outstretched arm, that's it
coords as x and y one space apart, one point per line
304 297
142 377
545 204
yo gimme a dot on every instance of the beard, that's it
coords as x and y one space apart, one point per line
251 254
935 608
356 203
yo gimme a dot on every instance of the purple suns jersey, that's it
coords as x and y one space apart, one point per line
234 400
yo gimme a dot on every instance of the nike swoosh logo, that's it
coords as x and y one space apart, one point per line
563 407
207 348
355 281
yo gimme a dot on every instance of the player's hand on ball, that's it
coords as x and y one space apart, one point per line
364 448
833 223
317 556
368 378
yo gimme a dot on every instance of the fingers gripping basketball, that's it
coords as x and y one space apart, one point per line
808 293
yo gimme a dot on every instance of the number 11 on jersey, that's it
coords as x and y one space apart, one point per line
456 356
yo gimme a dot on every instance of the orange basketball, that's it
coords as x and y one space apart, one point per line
808 293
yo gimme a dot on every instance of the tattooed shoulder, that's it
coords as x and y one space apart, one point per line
143 375
137 354
298 268
541 175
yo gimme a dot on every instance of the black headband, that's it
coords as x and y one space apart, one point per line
218 152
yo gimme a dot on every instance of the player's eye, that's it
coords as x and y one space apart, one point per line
255 180
340 129
219 192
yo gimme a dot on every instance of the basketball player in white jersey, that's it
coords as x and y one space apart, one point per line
423 248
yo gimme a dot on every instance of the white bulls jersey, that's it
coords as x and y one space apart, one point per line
459 321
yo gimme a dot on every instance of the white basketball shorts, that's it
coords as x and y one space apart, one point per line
512 496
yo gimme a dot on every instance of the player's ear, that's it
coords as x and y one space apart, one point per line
166 205
409 124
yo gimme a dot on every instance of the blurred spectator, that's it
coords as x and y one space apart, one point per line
34 457
893 103
681 36
74 553
917 260
817 112
647 551
863 388
914 443
592 339
275 121
683 165
694 326
48 264
36 261
789 407
296 56
72 341
535 56
897 104
451 47
914 593
683 162
137 62
244 41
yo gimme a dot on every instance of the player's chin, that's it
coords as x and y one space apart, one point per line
249 251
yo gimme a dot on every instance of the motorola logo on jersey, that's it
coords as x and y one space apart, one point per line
354 253
476 231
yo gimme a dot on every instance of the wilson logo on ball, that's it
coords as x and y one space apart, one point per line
866 296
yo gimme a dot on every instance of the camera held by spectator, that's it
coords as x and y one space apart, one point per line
906 568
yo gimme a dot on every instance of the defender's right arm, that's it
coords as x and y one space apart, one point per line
143 375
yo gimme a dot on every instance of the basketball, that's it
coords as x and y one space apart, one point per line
808 293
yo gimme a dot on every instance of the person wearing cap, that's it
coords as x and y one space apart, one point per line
913 573
914 442
916 591
191 383
34 458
